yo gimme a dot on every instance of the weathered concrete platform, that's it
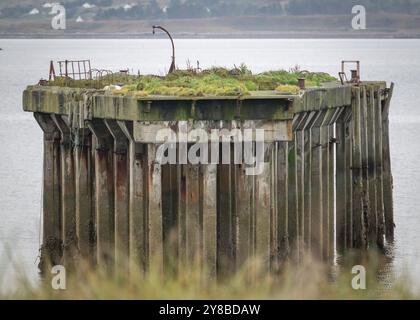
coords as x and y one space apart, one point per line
326 183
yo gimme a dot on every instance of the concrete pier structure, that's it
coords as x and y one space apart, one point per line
325 185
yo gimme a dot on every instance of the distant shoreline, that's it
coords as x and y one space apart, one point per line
379 25
262 35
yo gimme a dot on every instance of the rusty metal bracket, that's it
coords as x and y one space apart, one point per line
355 73
52 71
343 77
301 83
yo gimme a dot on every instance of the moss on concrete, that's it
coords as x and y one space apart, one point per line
211 82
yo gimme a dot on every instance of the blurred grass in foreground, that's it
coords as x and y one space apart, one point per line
307 280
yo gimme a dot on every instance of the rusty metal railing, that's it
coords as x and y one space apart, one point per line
75 69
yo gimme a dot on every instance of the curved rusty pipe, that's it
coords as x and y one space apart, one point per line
172 67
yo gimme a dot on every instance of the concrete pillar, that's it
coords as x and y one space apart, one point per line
307 178
365 164
121 195
327 133
84 175
372 167
280 195
68 191
294 166
349 177
192 215
386 166
292 214
182 211
209 196
104 194
263 210
138 235
317 189
341 222
154 209
299 167
170 205
344 181
379 169
245 214
357 172
330 250
51 249
225 217
278 230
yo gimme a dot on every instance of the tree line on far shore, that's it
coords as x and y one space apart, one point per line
193 9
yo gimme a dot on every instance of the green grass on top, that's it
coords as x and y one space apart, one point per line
215 81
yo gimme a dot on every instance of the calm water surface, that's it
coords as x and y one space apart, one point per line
24 62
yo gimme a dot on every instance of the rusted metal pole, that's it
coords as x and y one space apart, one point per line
301 83
172 67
